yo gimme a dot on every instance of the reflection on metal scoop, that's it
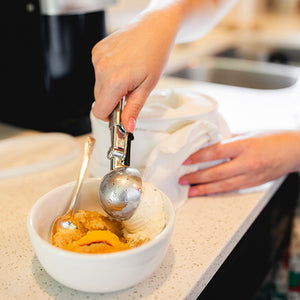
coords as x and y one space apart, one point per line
120 190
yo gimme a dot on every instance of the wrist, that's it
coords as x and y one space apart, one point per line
172 12
296 138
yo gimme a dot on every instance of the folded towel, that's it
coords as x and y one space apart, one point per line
164 166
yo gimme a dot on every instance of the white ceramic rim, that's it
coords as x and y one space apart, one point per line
92 256
38 166
176 90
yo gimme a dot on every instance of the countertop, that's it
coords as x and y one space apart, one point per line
206 228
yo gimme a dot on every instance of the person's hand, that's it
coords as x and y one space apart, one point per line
129 63
251 160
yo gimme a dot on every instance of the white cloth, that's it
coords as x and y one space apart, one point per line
173 124
164 166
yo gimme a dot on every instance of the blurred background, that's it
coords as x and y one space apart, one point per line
46 47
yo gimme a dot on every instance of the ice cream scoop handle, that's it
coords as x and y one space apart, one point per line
118 150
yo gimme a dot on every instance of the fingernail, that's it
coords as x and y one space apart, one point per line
192 192
183 181
131 124
187 162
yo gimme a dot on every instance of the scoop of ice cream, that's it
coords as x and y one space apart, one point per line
149 218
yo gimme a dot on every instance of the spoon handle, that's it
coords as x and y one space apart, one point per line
88 150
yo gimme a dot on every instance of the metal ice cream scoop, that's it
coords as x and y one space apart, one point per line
120 190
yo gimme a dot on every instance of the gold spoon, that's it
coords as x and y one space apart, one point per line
64 222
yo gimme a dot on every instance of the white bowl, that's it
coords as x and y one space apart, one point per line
92 272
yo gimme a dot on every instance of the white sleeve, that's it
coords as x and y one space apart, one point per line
202 20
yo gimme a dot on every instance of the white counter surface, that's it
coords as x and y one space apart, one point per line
206 228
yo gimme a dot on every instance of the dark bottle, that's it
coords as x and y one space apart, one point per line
46 70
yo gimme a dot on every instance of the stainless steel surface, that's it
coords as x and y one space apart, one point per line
266 52
240 73
119 138
64 221
63 7
120 192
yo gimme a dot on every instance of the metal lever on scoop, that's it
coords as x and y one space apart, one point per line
119 152
127 156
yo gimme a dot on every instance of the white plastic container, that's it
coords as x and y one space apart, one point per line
165 112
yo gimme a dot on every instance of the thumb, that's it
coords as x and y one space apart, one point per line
134 103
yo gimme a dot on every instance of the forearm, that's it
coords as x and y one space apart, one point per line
295 135
194 18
